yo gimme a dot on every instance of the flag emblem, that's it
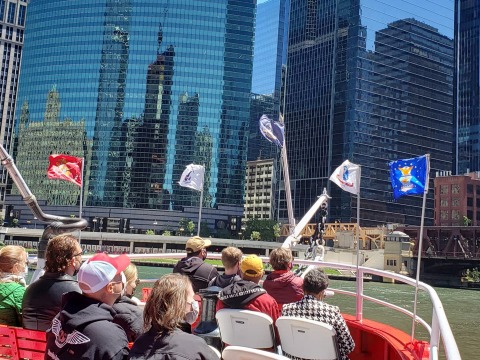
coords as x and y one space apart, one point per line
192 177
65 167
271 130
409 176
347 177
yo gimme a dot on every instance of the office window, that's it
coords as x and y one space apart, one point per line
11 13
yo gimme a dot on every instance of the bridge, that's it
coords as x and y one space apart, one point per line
371 238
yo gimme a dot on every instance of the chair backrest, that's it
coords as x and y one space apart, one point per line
307 339
215 350
246 328
244 353
31 344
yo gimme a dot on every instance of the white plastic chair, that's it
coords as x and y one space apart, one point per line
244 353
307 339
215 351
246 328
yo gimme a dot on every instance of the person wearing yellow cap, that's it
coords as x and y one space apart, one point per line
246 293
194 265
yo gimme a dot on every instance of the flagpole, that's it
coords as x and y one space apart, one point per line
420 246
81 203
359 285
200 212
286 181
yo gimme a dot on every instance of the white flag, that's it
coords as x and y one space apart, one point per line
347 176
192 177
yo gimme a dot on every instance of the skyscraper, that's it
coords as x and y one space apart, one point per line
139 73
12 27
369 87
467 95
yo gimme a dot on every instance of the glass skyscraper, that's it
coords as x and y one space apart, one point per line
370 81
152 85
467 94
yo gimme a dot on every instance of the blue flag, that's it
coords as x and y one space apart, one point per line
272 131
410 176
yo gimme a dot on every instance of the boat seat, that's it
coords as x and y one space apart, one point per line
307 339
18 343
244 353
246 328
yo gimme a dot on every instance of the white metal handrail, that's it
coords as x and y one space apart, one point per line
439 328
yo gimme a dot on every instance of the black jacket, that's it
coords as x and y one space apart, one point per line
43 299
129 316
199 272
224 280
84 329
176 345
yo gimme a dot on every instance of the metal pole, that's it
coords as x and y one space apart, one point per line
359 284
288 194
420 247
200 212
81 204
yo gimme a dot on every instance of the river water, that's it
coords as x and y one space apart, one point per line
461 307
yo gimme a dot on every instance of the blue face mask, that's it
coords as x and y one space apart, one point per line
191 316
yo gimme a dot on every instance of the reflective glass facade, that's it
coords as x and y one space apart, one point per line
12 27
467 32
370 81
153 84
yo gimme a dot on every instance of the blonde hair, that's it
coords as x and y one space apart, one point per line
231 256
165 307
280 258
9 256
131 273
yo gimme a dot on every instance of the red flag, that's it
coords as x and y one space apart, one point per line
65 167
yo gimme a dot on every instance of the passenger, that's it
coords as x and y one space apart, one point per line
282 284
43 299
246 293
13 269
129 315
170 303
312 307
231 257
194 265
84 329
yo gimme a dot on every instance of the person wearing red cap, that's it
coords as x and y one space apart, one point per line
84 329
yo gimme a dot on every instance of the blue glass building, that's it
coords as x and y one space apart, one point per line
467 95
370 81
158 84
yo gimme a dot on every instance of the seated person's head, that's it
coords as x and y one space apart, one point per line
101 277
251 268
63 255
170 303
281 259
315 283
131 277
197 246
231 258
13 260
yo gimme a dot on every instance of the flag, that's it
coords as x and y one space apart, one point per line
271 130
347 176
410 176
65 167
192 177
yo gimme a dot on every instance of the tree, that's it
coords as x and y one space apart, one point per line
205 229
187 225
466 221
269 229
150 232
255 235
167 233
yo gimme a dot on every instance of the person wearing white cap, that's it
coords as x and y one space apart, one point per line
84 328
194 265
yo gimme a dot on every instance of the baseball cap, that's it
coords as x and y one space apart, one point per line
99 270
251 265
196 243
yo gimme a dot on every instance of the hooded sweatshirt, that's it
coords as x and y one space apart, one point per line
199 272
84 330
129 316
223 280
284 286
248 296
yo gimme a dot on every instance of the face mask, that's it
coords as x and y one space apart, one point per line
24 273
75 272
191 316
124 285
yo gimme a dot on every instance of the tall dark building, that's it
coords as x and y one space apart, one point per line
467 94
370 91
123 66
